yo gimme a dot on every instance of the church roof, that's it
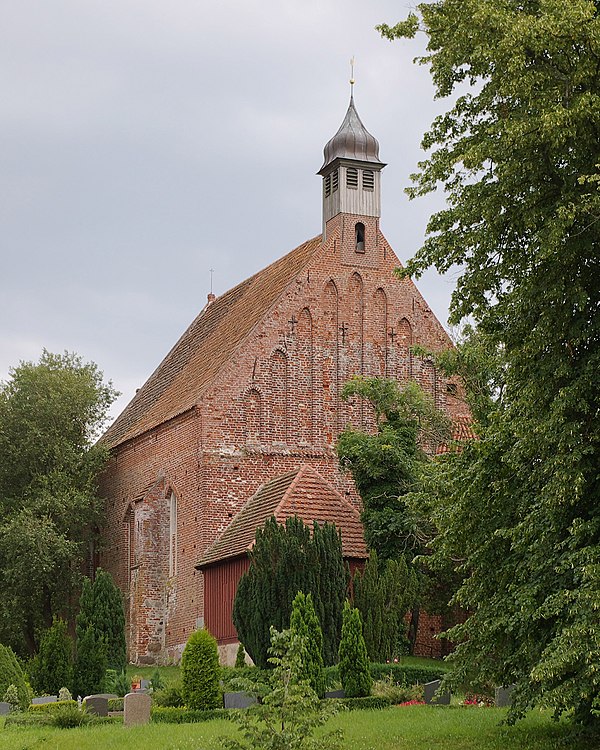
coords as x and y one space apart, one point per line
195 360
462 430
352 141
303 493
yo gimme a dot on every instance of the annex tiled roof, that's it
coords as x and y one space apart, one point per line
462 429
195 360
303 493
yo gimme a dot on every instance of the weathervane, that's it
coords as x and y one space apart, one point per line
352 75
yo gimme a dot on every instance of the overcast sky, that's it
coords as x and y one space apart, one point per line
144 142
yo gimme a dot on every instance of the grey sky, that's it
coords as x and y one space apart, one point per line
144 142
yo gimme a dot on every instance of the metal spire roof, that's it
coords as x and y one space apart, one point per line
352 141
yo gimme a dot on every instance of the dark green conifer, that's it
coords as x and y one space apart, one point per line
52 667
305 623
354 662
109 619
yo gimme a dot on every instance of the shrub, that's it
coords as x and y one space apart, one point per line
64 694
11 696
156 681
240 657
354 664
12 674
305 623
52 667
48 708
396 693
367 702
67 717
170 696
108 619
170 715
90 663
407 674
116 704
200 671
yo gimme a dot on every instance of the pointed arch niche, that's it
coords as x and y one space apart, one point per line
405 342
380 334
253 415
330 362
305 390
354 361
279 381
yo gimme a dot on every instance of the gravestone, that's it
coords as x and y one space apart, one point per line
238 700
4 708
97 705
503 697
44 699
145 685
335 694
431 699
108 696
137 709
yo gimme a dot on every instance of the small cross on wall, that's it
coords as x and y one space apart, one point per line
293 322
344 331
392 334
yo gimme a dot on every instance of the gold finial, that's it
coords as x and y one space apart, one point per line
352 72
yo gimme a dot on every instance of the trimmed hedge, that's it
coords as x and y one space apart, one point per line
406 673
168 715
369 702
42 708
116 704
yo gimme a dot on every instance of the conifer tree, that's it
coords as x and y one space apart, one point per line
285 559
90 663
109 619
52 667
354 662
304 622
200 671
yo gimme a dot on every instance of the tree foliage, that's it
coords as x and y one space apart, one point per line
50 414
385 465
517 154
90 647
383 593
11 673
286 559
353 659
304 622
108 619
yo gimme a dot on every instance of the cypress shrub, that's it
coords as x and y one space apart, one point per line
240 657
383 593
305 623
200 671
52 668
90 663
108 618
286 559
12 674
354 662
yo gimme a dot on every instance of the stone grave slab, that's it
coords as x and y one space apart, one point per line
97 705
44 699
503 696
137 709
238 699
4 708
431 699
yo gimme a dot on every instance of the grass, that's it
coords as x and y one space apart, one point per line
396 728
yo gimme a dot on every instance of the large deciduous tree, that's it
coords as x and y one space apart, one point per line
518 156
50 415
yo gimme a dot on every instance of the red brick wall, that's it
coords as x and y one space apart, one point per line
275 406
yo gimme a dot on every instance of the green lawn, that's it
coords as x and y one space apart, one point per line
397 728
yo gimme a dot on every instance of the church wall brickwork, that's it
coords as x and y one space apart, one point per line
274 406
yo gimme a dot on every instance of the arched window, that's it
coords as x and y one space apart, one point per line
359 233
172 535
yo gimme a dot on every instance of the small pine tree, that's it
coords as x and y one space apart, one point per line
52 668
90 663
354 663
305 623
200 671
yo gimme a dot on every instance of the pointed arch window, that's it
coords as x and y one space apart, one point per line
172 535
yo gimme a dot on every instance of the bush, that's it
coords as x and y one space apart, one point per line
367 702
64 694
396 693
407 674
169 715
354 664
156 681
49 708
67 717
116 704
200 671
170 696
11 696
240 657
90 664
12 674
231 675
52 667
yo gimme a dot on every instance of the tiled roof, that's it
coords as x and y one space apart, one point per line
303 493
195 360
462 429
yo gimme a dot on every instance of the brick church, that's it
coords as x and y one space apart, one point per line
240 419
